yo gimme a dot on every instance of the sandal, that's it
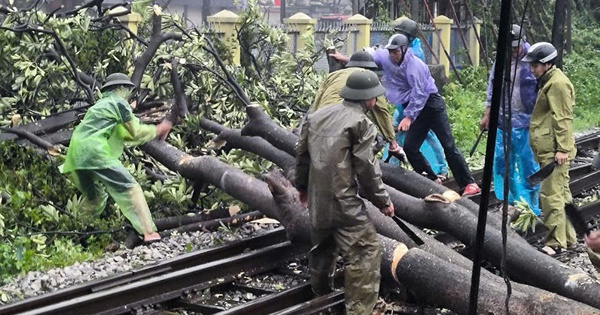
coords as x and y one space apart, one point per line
551 251
151 238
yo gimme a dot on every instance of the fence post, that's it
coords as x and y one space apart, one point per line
304 25
131 21
473 42
363 38
443 24
227 23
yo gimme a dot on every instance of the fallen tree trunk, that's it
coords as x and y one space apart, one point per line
46 126
435 280
409 182
524 262
257 194
173 222
439 283
236 183
214 224
233 138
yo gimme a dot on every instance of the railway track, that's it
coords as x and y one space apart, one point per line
200 282
177 282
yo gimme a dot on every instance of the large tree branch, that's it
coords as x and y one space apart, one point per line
92 3
233 138
179 109
142 62
237 89
52 149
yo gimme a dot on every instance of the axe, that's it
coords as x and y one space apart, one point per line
413 236
401 157
477 142
540 175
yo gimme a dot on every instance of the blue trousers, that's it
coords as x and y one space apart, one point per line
520 165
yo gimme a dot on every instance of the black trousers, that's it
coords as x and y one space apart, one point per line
434 117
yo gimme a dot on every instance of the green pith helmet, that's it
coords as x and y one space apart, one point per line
362 85
115 79
362 59
407 27
542 52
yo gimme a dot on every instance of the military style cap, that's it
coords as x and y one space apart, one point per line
362 59
362 85
407 27
117 79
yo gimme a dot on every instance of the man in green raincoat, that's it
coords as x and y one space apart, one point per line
335 156
552 140
96 145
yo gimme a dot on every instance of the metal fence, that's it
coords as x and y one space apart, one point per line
333 32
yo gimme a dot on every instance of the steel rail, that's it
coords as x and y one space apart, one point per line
326 304
590 211
177 263
123 299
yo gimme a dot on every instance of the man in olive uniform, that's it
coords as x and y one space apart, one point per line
329 94
551 138
94 151
335 157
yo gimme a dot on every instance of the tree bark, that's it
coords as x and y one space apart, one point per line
524 262
234 139
439 283
409 182
550 275
48 125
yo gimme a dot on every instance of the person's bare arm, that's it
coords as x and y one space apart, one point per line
340 57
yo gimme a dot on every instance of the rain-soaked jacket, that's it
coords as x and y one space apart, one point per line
523 94
98 141
410 83
551 125
329 94
335 155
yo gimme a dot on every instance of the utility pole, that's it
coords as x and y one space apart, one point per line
558 29
205 10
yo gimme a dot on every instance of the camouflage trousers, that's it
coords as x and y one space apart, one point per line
360 249
554 195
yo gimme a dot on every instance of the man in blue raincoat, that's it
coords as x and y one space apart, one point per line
521 92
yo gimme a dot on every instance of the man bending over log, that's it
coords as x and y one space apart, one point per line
334 156
95 148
